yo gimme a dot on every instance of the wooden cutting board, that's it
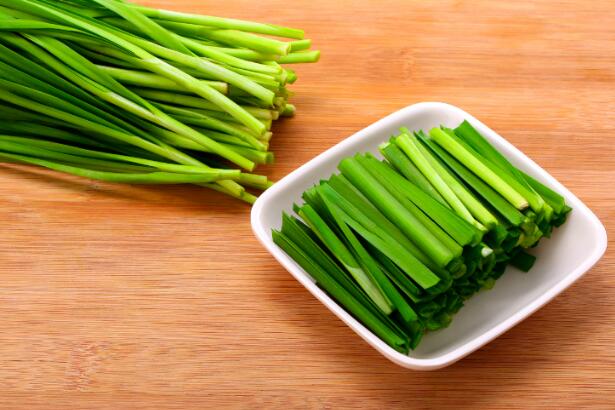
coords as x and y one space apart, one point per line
140 297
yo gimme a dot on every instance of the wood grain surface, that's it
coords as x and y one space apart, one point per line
138 297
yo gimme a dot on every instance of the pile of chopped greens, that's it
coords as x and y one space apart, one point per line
402 242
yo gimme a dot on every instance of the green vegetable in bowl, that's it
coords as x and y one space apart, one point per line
402 242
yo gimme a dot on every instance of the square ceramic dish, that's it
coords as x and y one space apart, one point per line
572 250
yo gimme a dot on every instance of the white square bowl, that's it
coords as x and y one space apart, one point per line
572 250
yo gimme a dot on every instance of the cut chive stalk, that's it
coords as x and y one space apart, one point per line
127 178
300 57
392 337
33 144
343 254
195 102
219 22
555 200
472 204
535 201
300 45
382 239
396 212
479 168
359 208
411 148
474 139
523 261
299 233
401 162
509 212
398 277
372 165
155 81
370 265
460 230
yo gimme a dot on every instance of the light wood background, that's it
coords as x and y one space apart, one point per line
131 297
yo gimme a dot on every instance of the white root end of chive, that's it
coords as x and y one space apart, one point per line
486 251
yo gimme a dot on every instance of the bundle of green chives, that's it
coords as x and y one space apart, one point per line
114 91
402 242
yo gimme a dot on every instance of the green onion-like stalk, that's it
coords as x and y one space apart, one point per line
110 86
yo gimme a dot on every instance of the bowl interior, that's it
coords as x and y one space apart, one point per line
559 258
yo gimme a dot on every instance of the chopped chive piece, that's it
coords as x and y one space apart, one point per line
401 162
372 165
555 200
343 254
296 231
412 148
476 208
389 335
455 226
523 261
484 148
388 205
479 168
509 212
360 209
383 242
